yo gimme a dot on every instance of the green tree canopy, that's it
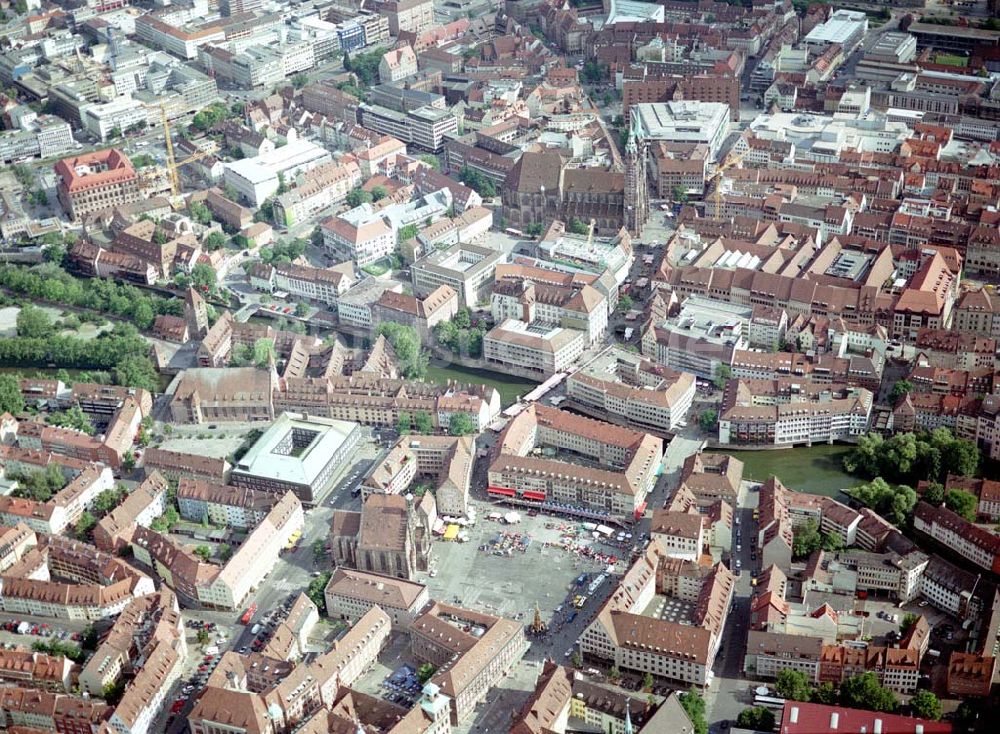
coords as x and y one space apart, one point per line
805 541
694 706
33 322
899 389
793 685
864 692
461 425
757 718
11 399
962 503
708 420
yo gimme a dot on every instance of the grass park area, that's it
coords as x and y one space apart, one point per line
951 60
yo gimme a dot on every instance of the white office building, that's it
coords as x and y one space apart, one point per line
256 179
684 121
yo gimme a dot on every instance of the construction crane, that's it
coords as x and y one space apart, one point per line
731 161
173 166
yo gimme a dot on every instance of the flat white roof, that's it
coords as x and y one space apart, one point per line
295 449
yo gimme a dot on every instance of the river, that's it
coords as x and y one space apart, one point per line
509 386
815 469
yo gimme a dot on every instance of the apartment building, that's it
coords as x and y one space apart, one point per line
143 505
769 653
799 422
397 64
409 16
96 182
472 652
635 391
65 506
967 539
580 307
209 394
351 594
423 314
627 464
175 464
977 312
701 338
228 506
533 348
297 453
315 190
468 269
424 127
323 285
622 633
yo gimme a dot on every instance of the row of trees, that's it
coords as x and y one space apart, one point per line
49 282
125 356
422 423
38 485
859 692
909 457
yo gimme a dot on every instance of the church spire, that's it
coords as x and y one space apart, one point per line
628 717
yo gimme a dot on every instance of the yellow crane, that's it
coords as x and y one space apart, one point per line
173 166
731 161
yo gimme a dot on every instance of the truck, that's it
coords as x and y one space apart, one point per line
248 614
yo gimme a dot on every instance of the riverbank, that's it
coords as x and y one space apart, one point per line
813 469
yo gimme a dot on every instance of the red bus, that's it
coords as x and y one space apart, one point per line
248 614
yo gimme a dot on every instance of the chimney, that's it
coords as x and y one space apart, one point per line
794 718
877 729
834 718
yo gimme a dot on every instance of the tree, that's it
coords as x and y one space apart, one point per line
316 588
432 161
962 503
901 388
84 525
136 371
446 333
407 232
934 494
73 418
463 320
299 81
825 693
966 714
379 192
200 213
203 637
625 303
425 672
356 197
793 685
577 659
708 420
403 423
263 352
203 276
909 619
647 682
423 422
864 692
406 343
477 182
805 541
722 374
11 399
33 323
577 226
593 71
203 552
214 240
694 706
894 503
461 425
614 674
757 718
679 194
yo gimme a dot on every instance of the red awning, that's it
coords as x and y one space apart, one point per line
640 511
502 490
540 496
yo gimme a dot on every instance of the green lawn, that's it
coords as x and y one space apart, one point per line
951 60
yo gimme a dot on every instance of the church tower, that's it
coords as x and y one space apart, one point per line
636 195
